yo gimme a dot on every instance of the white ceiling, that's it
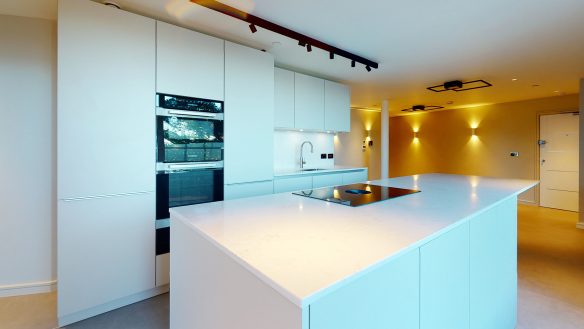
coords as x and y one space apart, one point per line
417 43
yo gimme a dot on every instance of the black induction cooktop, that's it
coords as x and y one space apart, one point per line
355 195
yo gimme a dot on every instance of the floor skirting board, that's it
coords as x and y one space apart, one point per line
580 226
86 314
28 288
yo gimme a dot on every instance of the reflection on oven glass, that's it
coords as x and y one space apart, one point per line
188 140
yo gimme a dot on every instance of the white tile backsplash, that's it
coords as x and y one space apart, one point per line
287 149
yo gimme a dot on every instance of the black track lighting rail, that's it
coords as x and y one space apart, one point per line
303 40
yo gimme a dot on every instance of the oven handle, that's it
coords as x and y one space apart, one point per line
160 111
188 166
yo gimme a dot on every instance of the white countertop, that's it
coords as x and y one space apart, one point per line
299 172
304 247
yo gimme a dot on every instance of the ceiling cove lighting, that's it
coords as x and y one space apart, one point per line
253 28
458 85
303 40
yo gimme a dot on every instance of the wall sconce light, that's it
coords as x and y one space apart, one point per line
473 135
368 141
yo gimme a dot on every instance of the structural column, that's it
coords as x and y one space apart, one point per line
581 147
385 139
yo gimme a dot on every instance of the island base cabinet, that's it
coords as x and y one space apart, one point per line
211 290
493 268
444 281
385 298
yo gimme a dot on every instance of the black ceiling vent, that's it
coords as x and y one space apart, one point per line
422 108
458 85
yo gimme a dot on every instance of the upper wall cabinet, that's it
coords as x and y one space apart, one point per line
249 115
305 102
337 107
189 63
308 102
106 113
283 98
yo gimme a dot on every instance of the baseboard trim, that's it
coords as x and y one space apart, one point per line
527 202
580 226
103 308
22 289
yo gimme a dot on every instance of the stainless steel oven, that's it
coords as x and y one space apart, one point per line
189 168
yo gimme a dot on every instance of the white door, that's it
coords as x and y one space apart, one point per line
559 161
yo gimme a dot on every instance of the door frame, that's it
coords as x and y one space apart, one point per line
537 148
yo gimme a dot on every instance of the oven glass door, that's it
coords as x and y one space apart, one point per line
187 187
183 139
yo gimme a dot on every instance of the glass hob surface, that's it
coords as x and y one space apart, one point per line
355 195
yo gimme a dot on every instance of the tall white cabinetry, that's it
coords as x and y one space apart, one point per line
249 118
106 86
188 63
308 102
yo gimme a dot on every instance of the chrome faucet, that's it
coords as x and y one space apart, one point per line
302 161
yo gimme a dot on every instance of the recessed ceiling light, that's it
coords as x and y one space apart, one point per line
514 79
556 91
450 102
535 85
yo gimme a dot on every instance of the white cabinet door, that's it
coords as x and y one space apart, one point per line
385 298
493 268
308 102
106 250
283 98
189 63
444 281
337 107
353 177
106 114
327 180
292 184
246 190
249 115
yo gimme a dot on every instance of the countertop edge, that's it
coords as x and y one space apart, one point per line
285 174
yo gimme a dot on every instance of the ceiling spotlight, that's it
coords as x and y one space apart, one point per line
352 63
253 28
308 48
332 55
301 43
368 68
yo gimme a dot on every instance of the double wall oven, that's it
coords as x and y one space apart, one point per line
189 167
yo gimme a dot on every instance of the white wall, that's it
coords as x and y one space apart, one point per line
287 149
27 162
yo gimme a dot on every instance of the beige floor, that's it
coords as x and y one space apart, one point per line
551 284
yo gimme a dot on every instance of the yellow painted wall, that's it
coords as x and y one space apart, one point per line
445 144
348 146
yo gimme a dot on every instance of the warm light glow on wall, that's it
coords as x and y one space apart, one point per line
416 138
473 132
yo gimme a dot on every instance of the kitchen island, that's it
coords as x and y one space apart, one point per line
442 258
